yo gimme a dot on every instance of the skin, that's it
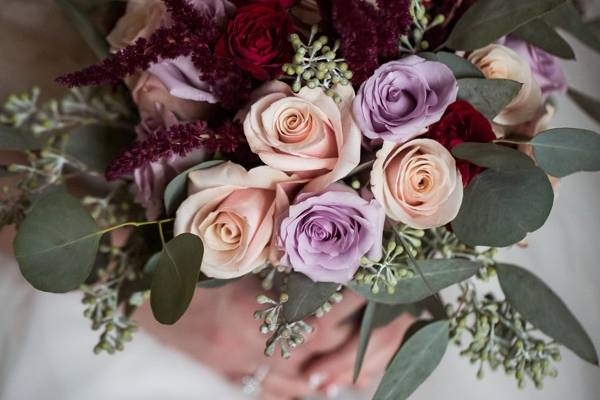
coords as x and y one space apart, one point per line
221 319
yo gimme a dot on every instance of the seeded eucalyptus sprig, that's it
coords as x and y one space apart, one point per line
316 65
494 334
414 41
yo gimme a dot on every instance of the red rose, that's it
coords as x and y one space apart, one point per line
257 39
462 123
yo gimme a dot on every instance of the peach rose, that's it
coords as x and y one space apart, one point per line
141 19
500 62
417 183
156 103
232 210
307 132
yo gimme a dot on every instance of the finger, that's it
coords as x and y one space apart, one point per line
286 386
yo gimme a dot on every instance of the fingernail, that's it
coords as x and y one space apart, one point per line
333 391
316 380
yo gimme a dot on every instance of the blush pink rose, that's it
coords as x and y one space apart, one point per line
305 133
417 183
232 211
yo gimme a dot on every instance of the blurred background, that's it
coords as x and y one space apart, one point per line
45 343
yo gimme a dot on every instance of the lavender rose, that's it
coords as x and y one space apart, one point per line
324 235
545 67
403 98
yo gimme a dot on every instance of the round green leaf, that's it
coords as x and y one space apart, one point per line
489 155
305 296
500 208
461 67
563 151
439 274
589 105
488 20
488 96
56 244
97 145
366 327
540 34
539 305
86 28
176 190
415 361
567 17
175 278
17 139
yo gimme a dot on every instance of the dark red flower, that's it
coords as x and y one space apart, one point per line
257 39
284 3
462 123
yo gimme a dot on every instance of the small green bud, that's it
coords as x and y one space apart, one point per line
320 75
355 184
317 45
296 86
348 74
283 298
323 39
298 58
330 92
322 67
306 75
312 84
330 56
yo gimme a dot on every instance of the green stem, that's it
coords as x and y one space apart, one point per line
136 224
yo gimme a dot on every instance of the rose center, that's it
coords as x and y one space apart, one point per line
225 231
294 126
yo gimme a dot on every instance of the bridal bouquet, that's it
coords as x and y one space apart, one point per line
382 147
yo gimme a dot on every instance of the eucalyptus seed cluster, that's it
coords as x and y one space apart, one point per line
114 208
384 274
500 338
414 41
287 335
316 65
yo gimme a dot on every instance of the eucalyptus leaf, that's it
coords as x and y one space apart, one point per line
567 18
489 155
588 104
538 33
97 145
17 139
175 278
56 244
414 362
176 190
461 67
305 296
86 28
366 328
539 305
439 274
499 208
488 20
387 313
152 264
488 96
563 151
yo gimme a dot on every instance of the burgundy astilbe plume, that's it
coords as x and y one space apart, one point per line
179 140
369 35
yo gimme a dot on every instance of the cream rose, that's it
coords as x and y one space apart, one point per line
141 19
500 62
417 183
232 210
307 133
155 102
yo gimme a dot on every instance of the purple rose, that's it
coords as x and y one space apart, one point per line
403 98
545 67
324 235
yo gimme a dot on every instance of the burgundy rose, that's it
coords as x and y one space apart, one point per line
257 39
462 123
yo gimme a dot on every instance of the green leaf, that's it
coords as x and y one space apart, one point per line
563 151
56 244
415 361
305 296
366 328
589 105
567 17
176 190
488 20
152 264
488 96
17 139
86 28
175 278
97 145
540 34
461 67
489 155
539 305
211 283
500 208
439 274
386 313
